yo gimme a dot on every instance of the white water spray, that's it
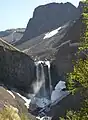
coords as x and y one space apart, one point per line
42 86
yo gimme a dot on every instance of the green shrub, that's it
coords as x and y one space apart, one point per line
11 113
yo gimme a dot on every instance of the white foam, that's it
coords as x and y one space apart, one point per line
44 118
52 33
47 63
11 93
37 85
40 102
39 62
27 101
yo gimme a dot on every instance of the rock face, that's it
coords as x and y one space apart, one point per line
12 35
58 46
12 106
49 17
17 70
63 106
68 48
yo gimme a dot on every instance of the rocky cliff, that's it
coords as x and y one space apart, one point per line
58 46
48 17
17 70
13 107
12 35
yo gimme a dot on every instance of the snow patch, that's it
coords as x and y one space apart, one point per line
27 101
58 94
11 93
61 85
52 33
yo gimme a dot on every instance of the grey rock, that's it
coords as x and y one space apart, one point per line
48 17
17 70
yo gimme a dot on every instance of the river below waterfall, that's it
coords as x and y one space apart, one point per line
44 96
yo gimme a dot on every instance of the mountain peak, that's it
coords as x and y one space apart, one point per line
48 17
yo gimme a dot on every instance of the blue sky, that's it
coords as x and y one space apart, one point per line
16 13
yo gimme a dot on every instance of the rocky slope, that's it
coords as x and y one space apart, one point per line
48 17
12 35
13 107
58 46
17 70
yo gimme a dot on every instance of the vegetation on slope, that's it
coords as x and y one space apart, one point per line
11 113
8 46
78 79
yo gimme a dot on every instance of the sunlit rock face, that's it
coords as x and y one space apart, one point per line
48 17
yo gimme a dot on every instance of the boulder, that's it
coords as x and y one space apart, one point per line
12 106
17 70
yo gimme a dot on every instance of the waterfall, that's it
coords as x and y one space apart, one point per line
40 77
44 97
43 77
42 86
50 84
42 91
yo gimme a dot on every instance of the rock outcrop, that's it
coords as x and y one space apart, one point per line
17 70
12 35
12 106
48 17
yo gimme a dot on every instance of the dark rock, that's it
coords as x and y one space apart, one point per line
17 70
48 17
60 49
70 102
67 52
82 6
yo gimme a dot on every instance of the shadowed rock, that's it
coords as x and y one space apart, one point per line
17 70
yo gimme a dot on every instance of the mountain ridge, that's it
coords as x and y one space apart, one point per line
48 17
12 35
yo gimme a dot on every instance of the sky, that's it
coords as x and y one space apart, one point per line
16 13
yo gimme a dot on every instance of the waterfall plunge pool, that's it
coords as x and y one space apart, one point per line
44 96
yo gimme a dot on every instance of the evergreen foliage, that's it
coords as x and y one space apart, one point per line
78 79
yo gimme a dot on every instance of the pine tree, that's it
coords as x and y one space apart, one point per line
78 79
